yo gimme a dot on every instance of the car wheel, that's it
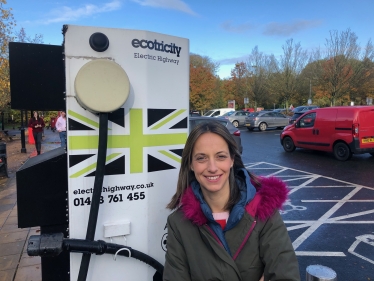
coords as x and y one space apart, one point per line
235 123
250 129
342 151
262 127
288 144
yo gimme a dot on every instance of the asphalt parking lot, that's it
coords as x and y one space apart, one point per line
330 212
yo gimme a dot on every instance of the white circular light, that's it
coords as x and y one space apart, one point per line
102 86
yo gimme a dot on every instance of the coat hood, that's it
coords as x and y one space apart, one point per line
270 195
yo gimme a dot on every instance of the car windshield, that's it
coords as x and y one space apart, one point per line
209 113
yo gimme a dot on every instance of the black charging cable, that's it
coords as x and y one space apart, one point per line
95 201
51 245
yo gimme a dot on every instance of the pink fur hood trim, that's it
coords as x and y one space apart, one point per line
269 196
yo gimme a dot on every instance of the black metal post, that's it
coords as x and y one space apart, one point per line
23 142
2 120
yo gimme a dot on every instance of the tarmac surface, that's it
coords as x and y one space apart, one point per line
15 264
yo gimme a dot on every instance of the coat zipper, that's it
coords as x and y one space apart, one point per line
245 240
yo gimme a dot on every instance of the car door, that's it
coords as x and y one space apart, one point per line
281 120
304 131
241 117
268 118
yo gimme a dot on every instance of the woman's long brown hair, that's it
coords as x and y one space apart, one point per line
186 175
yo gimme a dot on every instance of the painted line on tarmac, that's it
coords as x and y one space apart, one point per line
320 254
329 201
311 226
276 166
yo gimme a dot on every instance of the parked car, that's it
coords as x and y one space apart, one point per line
249 109
227 114
280 110
296 115
304 108
194 113
265 119
342 130
218 112
233 131
237 118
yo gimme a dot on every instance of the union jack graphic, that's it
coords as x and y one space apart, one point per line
150 146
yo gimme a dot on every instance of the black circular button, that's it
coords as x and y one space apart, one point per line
99 42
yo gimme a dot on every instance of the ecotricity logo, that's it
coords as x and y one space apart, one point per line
157 46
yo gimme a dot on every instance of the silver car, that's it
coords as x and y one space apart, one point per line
265 119
235 133
237 118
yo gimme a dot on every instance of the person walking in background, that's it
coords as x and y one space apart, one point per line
61 128
37 125
226 224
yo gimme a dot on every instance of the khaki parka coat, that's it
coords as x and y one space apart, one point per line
259 243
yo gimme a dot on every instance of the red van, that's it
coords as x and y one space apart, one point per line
343 130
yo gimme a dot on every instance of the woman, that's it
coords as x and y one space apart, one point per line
224 227
37 125
61 128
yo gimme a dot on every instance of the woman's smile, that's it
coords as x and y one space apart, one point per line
211 164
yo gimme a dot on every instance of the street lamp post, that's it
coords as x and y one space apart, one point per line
310 92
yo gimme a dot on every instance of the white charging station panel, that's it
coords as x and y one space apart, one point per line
145 138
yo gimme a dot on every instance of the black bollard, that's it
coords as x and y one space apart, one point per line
23 142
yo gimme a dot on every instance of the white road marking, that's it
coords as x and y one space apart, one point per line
326 201
353 215
322 220
360 239
320 254
313 225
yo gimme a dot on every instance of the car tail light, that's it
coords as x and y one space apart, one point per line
237 133
355 130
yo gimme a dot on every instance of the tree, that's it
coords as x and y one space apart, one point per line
202 88
229 90
257 75
239 77
21 36
204 61
287 71
338 66
7 24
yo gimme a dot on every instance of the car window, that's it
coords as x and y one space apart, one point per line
208 113
269 114
307 120
253 114
216 113
280 115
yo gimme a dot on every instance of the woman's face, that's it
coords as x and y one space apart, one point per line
211 163
63 114
35 114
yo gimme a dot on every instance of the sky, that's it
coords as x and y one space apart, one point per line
224 30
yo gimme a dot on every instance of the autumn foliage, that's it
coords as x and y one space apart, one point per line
202 88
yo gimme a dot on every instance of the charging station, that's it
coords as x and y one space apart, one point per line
128 90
